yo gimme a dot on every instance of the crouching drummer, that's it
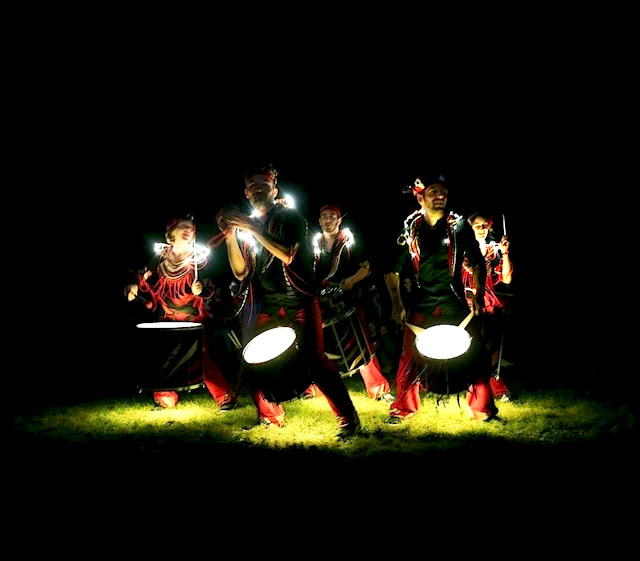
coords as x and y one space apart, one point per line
176 288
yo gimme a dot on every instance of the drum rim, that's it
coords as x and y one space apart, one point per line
289 347
455 329
169 325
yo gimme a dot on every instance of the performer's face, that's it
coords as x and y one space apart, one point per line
330 221
434 198
481 228
261 191
184 231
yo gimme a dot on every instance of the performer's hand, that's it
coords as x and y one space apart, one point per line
478 305
196 288
131 291
504 245
346 284
239 220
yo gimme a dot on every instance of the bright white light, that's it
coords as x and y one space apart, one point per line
158 247
289 201
247 236
269 345
350 240
201 252
443 342
316 244
169 325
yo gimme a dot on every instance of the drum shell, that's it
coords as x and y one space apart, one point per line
169 356
453 375
345 337
282 378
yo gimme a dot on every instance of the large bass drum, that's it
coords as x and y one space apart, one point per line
170 355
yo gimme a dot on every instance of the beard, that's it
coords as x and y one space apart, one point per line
261 200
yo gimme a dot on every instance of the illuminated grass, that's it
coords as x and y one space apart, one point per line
551 418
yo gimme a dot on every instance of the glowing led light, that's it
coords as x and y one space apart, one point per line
169 325
201 252
269 345
289 201
159 247
316 244
247 236
349 236
443 342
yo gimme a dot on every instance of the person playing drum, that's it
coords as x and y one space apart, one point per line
499 270
435 243
275 262
175 294
339 261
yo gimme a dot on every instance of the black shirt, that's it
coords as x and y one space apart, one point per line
274 283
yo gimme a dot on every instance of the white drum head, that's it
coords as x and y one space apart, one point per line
169 325
269 345
443 342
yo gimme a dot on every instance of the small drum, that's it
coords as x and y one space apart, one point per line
273 364
171 357
346 341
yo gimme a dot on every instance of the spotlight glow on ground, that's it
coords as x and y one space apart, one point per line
269 345
443 342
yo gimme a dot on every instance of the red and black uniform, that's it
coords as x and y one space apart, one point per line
494 307
169 286
280 294
332 265
436 255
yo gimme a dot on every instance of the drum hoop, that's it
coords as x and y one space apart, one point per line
293 344
170 326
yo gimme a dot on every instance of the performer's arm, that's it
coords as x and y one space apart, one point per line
398 313
279 249
236 259
507 268
361 274
478 266
283 252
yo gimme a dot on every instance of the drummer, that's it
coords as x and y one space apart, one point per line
435 243
275 263
499 270
339 261
171 290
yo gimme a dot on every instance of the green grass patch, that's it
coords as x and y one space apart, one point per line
552 417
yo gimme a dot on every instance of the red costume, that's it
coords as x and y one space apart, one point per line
170 288
436 255
494 307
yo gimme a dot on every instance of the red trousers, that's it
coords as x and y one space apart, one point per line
308 325
409 379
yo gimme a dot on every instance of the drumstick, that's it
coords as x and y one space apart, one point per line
504 226
195 261
466 320
416 330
